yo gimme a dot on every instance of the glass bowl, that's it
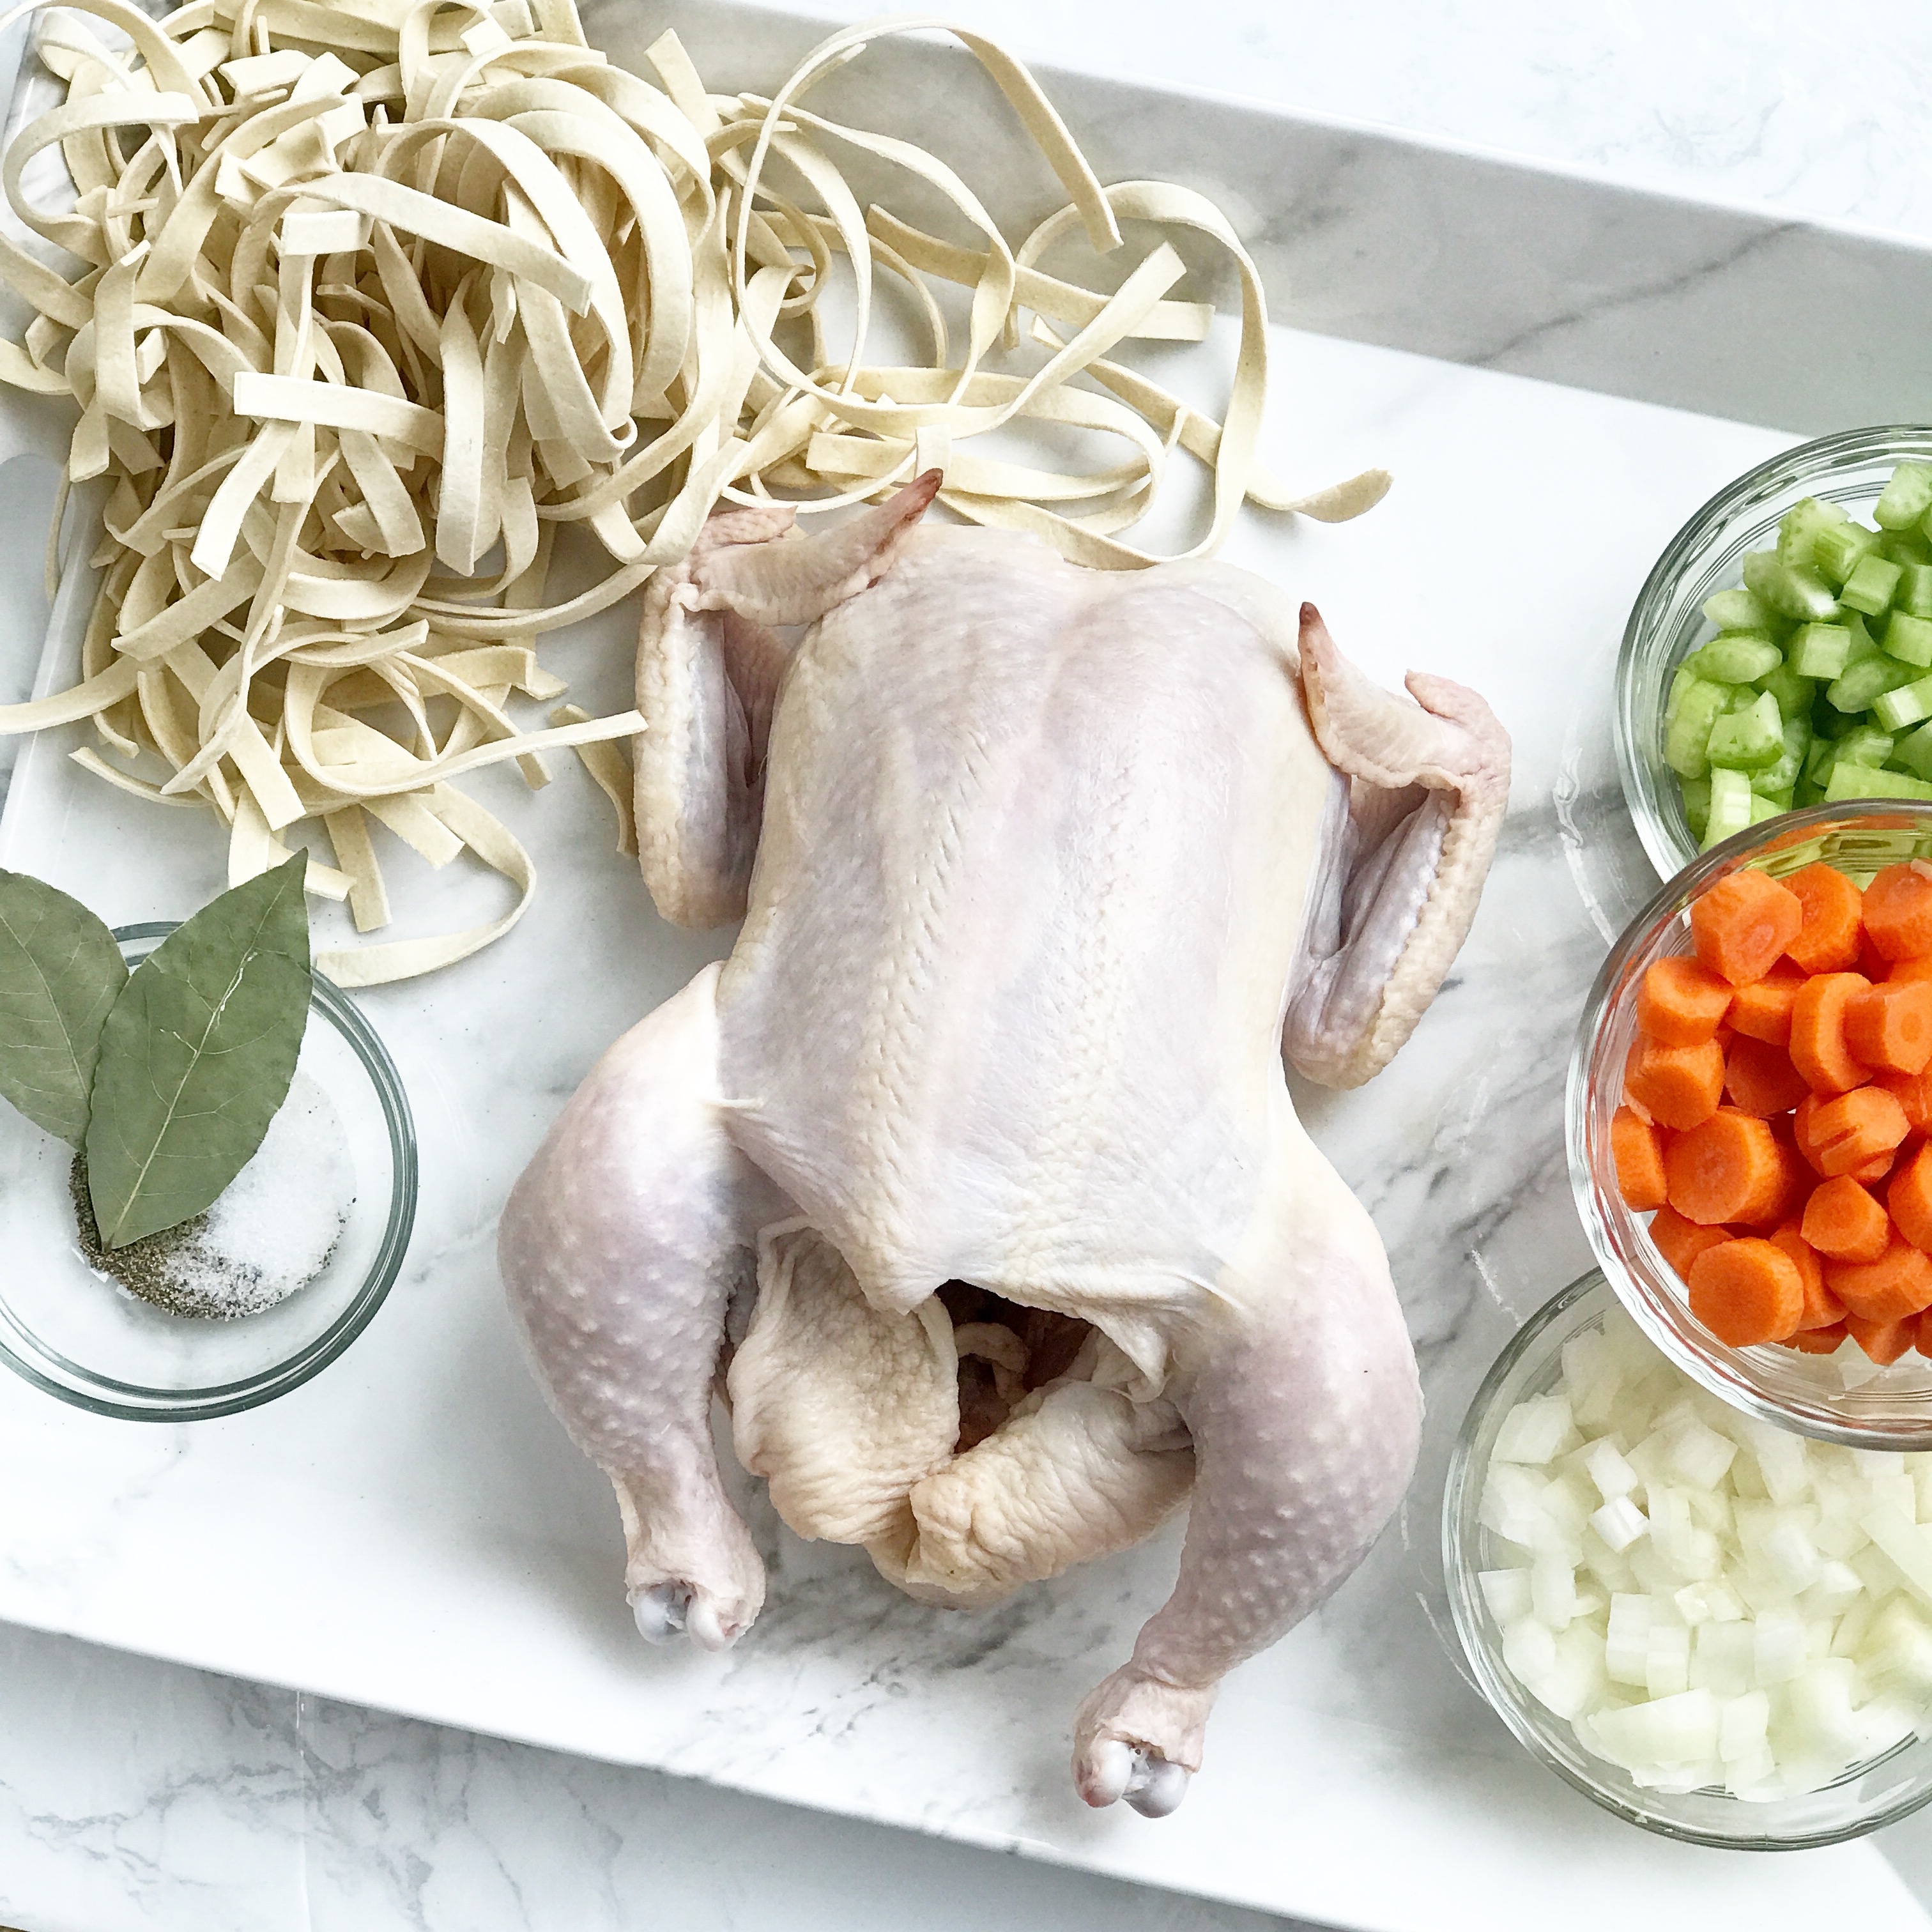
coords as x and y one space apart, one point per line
1840 1398
93 1344
1667 623
1876 1792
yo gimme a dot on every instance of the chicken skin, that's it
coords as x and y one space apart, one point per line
971 1178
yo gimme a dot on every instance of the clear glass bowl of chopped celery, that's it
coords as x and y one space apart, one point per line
1841 1398
1779 654
76 1336
1768 1679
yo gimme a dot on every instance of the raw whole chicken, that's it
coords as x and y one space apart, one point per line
971 1177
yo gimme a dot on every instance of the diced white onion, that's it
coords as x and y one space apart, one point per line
1536 1431
1506 1593
1609 1469
1712 1602
1620 1522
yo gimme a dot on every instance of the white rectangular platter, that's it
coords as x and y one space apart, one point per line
412 1530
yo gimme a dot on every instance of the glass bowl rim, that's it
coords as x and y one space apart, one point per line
1467 1612
231 1398
1707 1372
1635 766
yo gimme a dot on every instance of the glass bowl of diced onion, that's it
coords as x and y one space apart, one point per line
1842 1396
1842 475
1680 1608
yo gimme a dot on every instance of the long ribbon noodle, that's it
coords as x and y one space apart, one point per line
359 304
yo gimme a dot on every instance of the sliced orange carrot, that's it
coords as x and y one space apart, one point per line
1890 1027
1898 911
1676 1086
1821 1307
1762 1010
1637 1149
1746 1292
1897 1284
1827 941
1869 1173
1729 1168
1681 1002
1680 1242
1913 1092
1818 1047
1760 1078
1910 1197
1818 1341
1843 1221
1740 925
1883 1341
1904 972
1796 1183
1850 1131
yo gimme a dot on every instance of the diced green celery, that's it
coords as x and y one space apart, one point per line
1777 778
1763 808
1730 811
1748 739
1914 752
1906 498
1850 781
1838 548
1914 594
1864 681
1737 609
1904 547
1794 694
1864 745
1869 587
1798 529
1697 804
1909 704
1805 793
1820 650
1793 592
1818 763
1736 659
1909 639
1696 704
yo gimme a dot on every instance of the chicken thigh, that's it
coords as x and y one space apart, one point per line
973 1172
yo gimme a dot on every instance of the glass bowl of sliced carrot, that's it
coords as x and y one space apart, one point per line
1749 1122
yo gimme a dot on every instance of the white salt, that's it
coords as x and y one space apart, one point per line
272 1229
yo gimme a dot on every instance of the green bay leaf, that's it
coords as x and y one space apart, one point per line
196 1057
60 974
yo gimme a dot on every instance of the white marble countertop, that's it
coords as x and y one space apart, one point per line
137 1795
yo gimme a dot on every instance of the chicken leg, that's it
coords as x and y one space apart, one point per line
621 1247
1305 1414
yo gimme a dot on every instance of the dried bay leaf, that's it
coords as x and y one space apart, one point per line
196 1057
60 974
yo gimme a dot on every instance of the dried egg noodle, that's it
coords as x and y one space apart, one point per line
372 297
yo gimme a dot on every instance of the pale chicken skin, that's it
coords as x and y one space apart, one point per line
1042 869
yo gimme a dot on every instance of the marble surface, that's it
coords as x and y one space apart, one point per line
418 1535
1446 246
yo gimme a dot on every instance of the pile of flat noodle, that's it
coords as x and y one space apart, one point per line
360 302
